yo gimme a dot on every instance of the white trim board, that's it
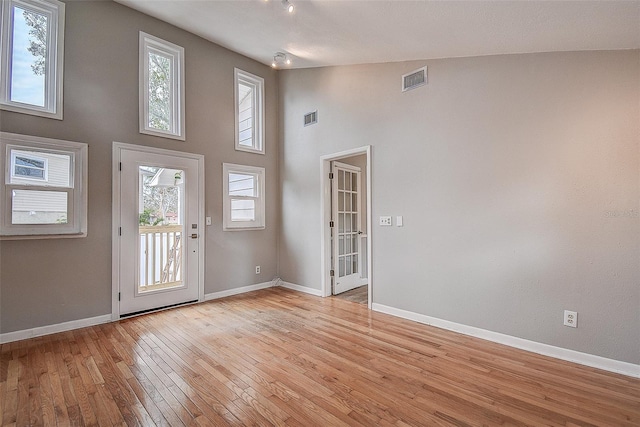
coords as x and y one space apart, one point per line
52 329
299 288
236 291
586 359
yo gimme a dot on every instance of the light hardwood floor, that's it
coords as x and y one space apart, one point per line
279 357
359 295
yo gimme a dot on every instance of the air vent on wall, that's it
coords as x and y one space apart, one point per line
311 118
414 79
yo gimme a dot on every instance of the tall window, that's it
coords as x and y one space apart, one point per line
32 57
43 190
243 201
161 88
249 102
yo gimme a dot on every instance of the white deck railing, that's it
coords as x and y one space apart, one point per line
160 256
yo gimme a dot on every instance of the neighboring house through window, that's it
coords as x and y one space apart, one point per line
32 57
161 88
249 103
44 190
244 198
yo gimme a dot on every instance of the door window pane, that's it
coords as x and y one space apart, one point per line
161 229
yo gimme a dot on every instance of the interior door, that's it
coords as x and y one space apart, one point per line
345 233
159 259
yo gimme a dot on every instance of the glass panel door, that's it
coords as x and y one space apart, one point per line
346 230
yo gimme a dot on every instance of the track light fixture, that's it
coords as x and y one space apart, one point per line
279 59
288 6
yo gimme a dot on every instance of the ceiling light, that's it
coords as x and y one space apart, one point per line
279 59
288 6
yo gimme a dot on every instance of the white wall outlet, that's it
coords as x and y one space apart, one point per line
399 222
208 220
257 269
385 220
571 318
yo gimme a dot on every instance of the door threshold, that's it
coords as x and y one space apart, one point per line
151 310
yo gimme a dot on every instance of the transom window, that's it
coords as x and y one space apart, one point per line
161 88
43 191
32 57
249 100
243 203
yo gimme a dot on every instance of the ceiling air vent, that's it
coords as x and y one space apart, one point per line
414 79
311 118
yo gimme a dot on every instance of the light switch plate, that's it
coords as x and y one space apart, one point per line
399 222
208 220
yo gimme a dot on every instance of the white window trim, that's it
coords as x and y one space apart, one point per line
176 53
77 196
258 116
259 222
46 168
55 61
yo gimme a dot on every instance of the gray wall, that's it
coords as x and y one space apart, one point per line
45 282
518 179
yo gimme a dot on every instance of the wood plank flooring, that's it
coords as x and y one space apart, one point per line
279 357
359 295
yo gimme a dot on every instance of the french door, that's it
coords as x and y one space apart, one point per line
346 218
159 230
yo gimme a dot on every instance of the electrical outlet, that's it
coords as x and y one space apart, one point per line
257 269
571 318
385 220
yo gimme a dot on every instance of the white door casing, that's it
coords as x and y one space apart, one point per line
136 286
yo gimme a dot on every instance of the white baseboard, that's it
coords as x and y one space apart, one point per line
299 288
52 329
591 360
236 291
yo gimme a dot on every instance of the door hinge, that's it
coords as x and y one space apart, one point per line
330 175
332 273
331 224
118 296
120 166
119 231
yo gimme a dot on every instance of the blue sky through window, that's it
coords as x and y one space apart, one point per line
26 86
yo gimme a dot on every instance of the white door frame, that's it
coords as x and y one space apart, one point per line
115 215
325 217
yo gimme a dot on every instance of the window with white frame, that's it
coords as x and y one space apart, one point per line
32 57
43 188
244 199
161 88
249 106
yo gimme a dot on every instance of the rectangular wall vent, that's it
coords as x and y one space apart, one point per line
414 79
311 118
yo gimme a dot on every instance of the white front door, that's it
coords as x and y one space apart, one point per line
345 234
159 230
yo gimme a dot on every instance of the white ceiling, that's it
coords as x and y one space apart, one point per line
332 32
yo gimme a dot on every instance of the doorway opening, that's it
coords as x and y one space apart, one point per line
346 225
